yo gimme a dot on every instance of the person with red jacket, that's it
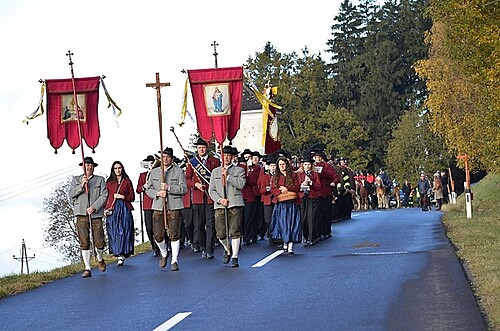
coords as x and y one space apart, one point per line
249 226
285 221
264 184
328 177
119 220
309 189
147 203
198 174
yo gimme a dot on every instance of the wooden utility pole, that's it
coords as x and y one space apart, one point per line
24 258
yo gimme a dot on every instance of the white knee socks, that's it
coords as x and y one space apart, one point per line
86 259
99 254
235 244
175 250
163 248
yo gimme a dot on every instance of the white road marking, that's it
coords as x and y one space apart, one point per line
173 321
267 259
382 253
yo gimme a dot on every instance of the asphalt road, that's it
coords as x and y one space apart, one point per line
382 270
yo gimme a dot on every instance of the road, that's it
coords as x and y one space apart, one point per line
382 270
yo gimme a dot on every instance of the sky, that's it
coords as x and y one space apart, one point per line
128 42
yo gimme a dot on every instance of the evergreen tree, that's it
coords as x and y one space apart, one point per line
346 45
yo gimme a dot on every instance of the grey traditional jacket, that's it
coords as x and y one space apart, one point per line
176 181
235 182
97 193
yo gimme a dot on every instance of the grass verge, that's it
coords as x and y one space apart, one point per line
477 242
14 284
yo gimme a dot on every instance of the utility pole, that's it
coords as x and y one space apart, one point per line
24 257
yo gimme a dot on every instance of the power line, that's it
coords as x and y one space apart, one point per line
38 177
42 183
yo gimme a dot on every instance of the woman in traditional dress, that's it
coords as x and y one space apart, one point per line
285 222
119 221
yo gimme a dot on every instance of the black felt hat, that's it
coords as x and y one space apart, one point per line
246 151
229 150
272 158
150 158
201 142
168 151
256 153
88 160
307 158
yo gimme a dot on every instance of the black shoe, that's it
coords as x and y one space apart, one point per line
234 262
210 256
196 250
227 256
203 255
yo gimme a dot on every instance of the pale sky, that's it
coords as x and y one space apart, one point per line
128 42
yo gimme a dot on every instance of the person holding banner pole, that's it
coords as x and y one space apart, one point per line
88 209
167 190
226 183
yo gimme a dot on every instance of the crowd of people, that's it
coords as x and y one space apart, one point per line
201 202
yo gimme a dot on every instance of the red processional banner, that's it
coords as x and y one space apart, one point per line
217 97
62 119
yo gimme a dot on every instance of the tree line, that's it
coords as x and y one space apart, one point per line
372 95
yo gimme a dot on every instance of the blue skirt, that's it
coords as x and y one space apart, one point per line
120 228
285 223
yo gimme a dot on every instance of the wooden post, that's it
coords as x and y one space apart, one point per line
468 193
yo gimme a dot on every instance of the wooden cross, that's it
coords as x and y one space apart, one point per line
157 85
215 44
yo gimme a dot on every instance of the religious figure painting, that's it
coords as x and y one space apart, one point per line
217 99
68 113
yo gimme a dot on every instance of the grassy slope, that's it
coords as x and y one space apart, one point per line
478 243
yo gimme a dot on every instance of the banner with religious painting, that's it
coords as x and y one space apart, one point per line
63 119
217 98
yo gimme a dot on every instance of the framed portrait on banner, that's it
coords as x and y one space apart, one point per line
68 113
217 99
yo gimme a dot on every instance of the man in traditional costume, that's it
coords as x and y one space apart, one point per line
225 187
88 194
198 174
167 194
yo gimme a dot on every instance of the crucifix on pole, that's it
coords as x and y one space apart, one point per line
157 85
215 44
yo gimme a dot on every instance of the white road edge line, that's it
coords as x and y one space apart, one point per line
267 259
173 321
